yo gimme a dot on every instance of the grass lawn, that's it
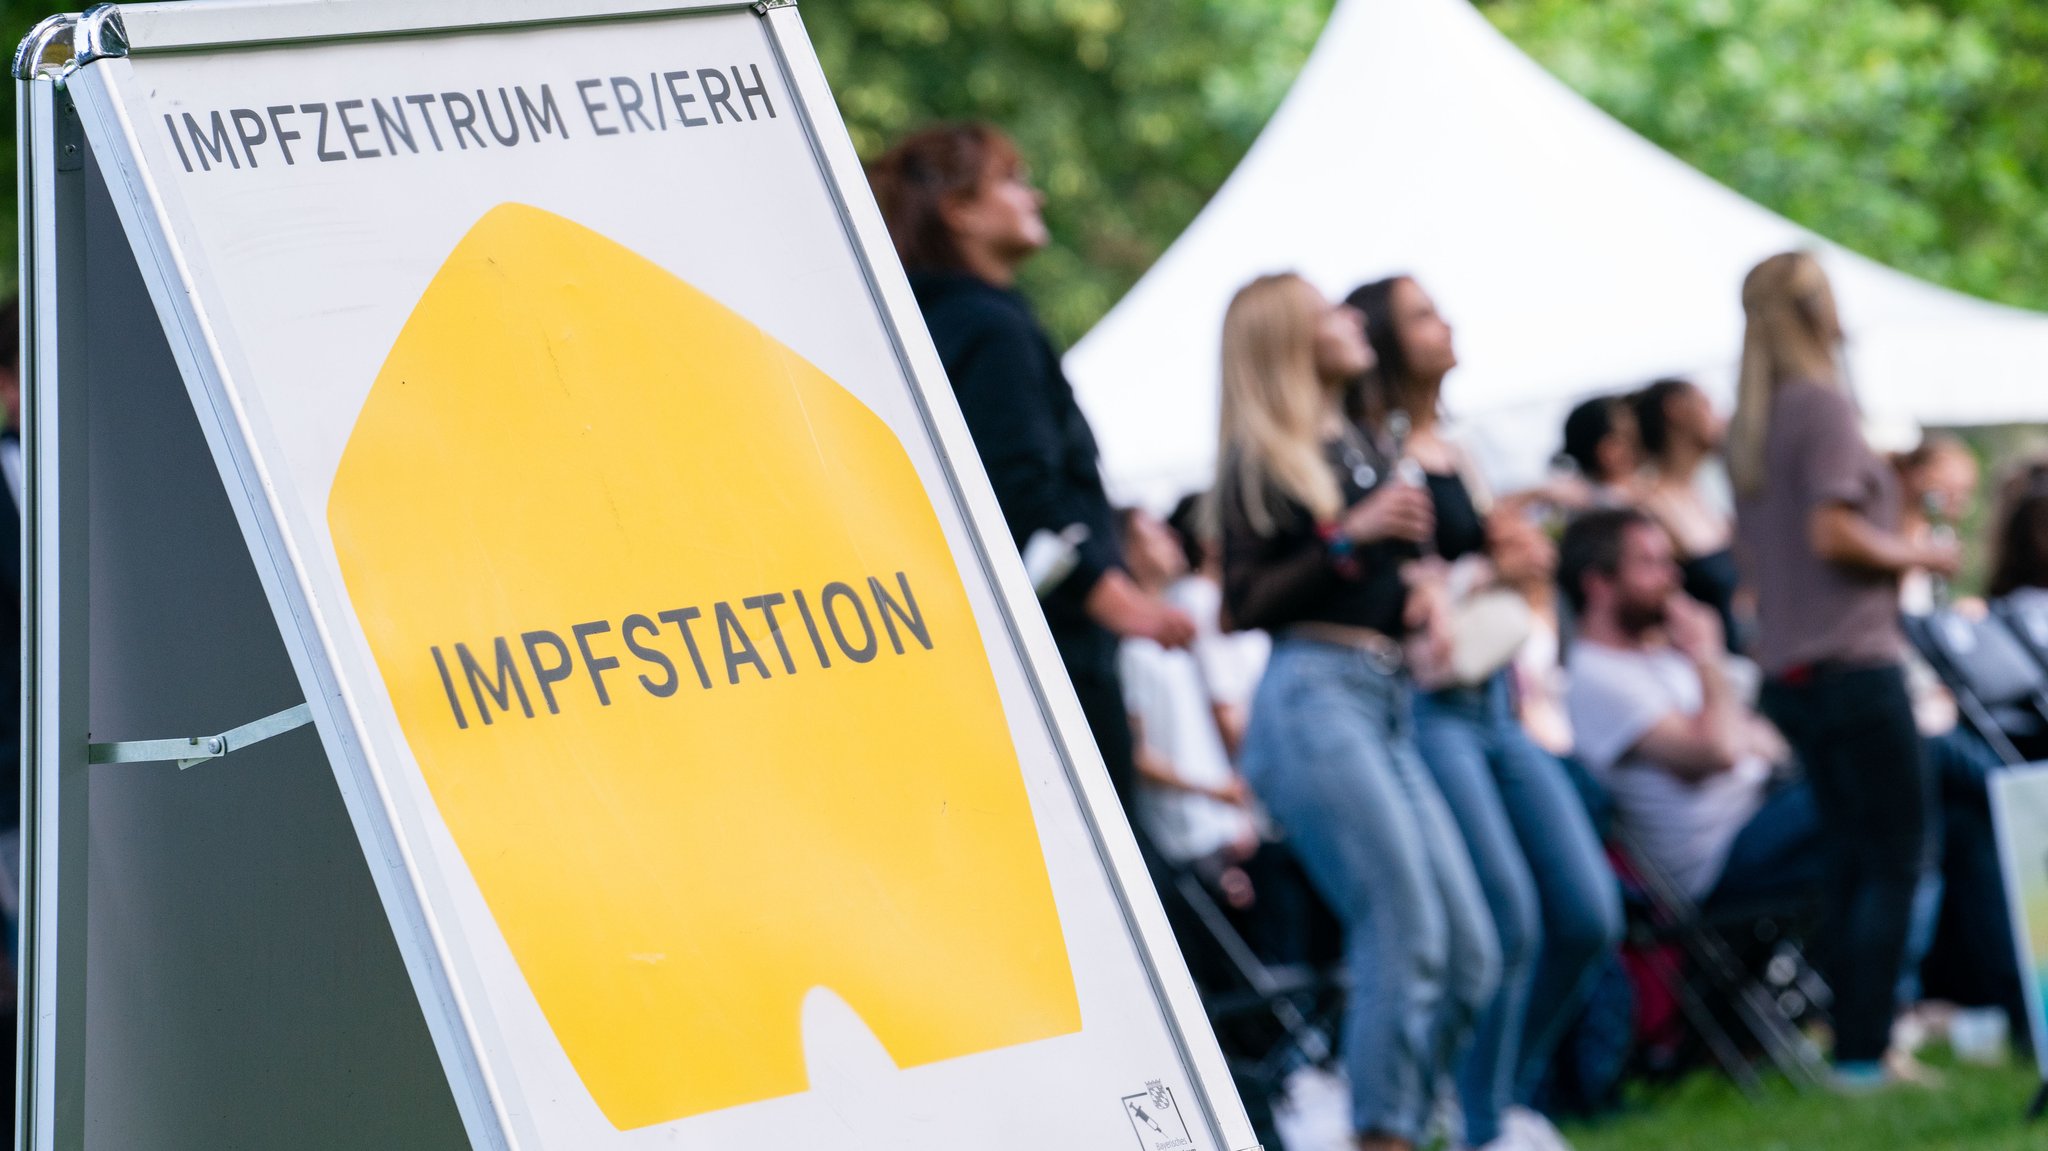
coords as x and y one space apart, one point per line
1978 1109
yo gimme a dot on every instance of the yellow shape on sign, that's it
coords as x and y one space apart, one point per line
677 641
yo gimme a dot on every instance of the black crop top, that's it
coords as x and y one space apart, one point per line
1712 580
1460 530
1290 576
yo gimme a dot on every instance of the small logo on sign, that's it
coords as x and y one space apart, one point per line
1156 1120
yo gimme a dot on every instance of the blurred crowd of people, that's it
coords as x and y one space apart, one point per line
1350 669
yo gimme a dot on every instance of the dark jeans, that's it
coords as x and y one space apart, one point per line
1779 854
1972 961
1853 730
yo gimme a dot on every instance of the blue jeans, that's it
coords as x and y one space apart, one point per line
1330 754
1555 901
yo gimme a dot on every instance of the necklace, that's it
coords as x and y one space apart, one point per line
1355 460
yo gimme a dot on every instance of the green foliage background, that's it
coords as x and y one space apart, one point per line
16 19
1132 112
1916 132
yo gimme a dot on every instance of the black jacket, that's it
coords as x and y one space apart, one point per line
1033 440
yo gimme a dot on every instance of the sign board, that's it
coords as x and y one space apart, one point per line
707 753
2019 810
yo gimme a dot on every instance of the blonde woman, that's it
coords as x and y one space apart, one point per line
1320 547
1817 515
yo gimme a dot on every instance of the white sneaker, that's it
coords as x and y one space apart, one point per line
1511 1139
1447 1118
1315 1112
1535 1128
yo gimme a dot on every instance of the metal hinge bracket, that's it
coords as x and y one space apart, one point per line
70 137
200 748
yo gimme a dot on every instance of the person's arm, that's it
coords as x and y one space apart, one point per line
1427 616
1157 770
1833 465
1117 603
1264 575
1661 506
1694 747
1213 653
1567 493
1000 378
1841 535
1764 741
1231 721
1152 766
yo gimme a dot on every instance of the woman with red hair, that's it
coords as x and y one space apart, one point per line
964 217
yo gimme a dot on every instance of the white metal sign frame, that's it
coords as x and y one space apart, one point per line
2015 812
63 95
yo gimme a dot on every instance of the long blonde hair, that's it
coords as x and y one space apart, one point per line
1274 402
1793 333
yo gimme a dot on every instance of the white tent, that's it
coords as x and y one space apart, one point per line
1571 256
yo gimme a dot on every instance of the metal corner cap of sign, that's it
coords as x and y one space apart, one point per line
100 35
32 57
763 7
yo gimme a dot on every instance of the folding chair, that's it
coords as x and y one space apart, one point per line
2025 612
2001 689
1766 1000
1270 1018
1277 989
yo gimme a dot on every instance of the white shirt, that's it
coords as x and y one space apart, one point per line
1231 662
1164 690
1685 828
1539 678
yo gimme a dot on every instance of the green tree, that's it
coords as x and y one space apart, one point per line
16 18
1131 112
1912 132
